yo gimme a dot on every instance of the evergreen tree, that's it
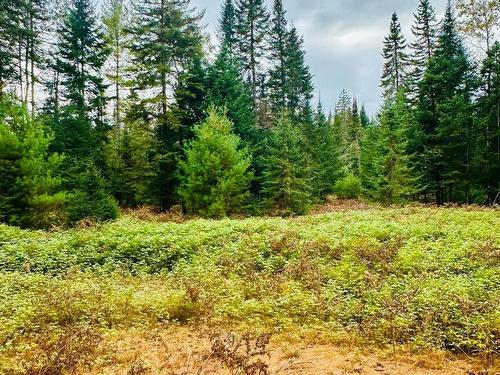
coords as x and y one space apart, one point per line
323 146
287 177
396 60
9 12
166 39
225 89
279 41
487 154
299 87
395 176
363 117
445 115
228 27
348 129
215 177
425 38
80 126
252 31
115 22
30 183
190 98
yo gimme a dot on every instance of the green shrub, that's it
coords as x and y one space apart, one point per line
91 200
348 188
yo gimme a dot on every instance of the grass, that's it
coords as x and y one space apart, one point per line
422 277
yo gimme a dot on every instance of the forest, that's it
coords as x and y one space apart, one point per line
174 202
124 104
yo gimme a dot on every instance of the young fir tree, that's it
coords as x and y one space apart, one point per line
215 176
287 176
225 88
323 146
252 31
425 31
30 183
396 60
165 40
228 27
278 75
396 183
116 22
445 116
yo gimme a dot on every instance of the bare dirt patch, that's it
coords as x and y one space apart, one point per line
182 351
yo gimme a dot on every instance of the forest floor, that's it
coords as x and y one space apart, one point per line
349 289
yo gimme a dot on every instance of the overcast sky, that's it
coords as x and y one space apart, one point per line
343 40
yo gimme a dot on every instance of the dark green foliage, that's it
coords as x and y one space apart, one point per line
225 88
287 177
445 116
425 30
252 32
228 27
30 183
324 149
396 60
348 187
215 177
279 50
487 151
166 43
91 199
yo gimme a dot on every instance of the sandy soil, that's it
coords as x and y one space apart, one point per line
185 352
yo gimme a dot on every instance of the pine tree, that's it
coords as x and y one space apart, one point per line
9 29
363 117
190 98
215 176
80 126
323 147
30 183
299 86
425 38
228 27
225 89
396 183
166 39
487 154
252 31
396 60
445 116
115 21
348 129
287 177
279 52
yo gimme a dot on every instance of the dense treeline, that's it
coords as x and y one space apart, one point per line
123 106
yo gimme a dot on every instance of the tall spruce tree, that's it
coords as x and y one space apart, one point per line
424 29
166 39
445 115
299 86
228 27
396 60
279 42
252 31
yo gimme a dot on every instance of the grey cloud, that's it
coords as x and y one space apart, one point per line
343 40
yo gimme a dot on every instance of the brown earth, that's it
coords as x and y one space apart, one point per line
181 351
